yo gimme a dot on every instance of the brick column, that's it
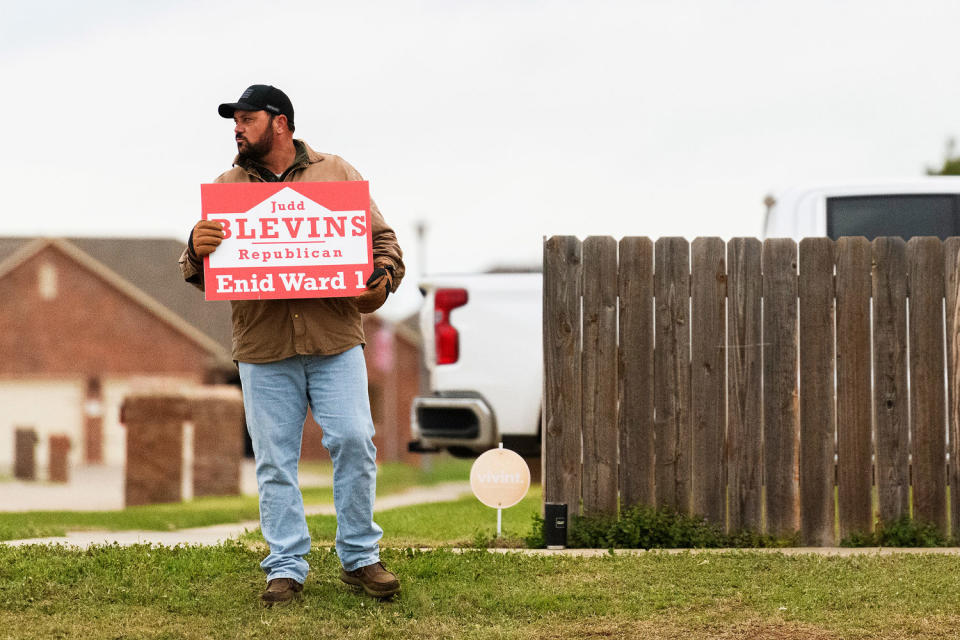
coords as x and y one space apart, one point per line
93 422
154 465
59 450
217 416
25 458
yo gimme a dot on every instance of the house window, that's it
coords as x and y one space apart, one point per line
47 281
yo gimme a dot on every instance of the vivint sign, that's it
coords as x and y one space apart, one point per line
288 240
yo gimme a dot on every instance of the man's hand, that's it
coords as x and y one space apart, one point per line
378 288
206 237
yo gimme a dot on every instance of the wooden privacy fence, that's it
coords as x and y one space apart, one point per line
745 382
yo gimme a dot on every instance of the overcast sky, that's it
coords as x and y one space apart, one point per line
494 122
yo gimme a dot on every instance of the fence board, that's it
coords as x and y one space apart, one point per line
599 362
707 357
745 397
890 377
561 351
925 262
816 391
854 476
672 363
781 419
951 250
637 461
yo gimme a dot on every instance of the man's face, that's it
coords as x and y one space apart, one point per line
254 133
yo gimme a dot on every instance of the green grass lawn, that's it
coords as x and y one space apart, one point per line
163 593
392 478
464 522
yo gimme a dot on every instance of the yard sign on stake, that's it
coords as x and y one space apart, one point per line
500 478
288 240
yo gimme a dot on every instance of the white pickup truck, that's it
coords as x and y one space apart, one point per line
483 333
928 206
483 352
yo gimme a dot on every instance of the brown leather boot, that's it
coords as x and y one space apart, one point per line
280 590
374 578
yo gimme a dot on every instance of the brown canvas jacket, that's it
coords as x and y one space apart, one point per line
270 330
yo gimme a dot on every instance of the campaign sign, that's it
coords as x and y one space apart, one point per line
288 240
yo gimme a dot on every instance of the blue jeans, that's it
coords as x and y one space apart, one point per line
275 397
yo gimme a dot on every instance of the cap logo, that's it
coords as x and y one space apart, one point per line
247 93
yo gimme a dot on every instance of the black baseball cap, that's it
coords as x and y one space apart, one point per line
260 97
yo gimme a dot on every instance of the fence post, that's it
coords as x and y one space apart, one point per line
599 375
890 376
707 357
745 392
951 249
781 419
853 386
925 262
672 382
817 390
562 383
637 461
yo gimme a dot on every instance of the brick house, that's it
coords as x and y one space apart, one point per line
86 320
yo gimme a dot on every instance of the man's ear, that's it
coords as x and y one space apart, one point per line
280 122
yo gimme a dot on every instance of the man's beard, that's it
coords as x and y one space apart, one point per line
257 150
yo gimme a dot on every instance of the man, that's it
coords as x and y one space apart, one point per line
299 351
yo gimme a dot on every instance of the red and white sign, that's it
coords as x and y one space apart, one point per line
288 240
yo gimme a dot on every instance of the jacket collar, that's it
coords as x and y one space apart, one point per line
305 156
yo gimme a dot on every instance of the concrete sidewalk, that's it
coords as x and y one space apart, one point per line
217 534
100 488
787 551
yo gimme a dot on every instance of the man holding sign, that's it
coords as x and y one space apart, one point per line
300 261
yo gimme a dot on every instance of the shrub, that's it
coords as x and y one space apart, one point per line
651 528
535 539
902 532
